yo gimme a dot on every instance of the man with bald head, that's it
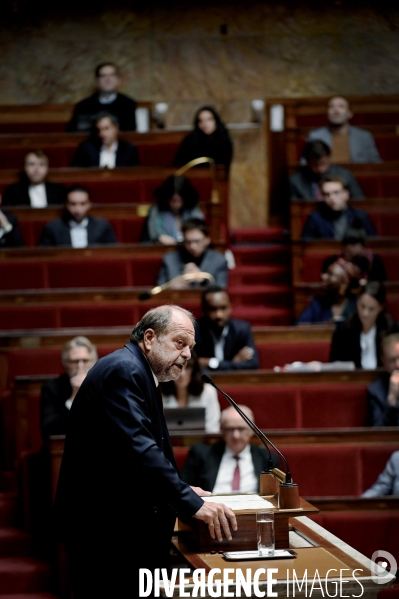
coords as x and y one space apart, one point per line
347 143
232 465
119 491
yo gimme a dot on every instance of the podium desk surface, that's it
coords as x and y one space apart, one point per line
322 554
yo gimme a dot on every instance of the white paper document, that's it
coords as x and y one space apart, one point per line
241 502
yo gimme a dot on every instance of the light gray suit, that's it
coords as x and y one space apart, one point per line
362 146
212 262
388 481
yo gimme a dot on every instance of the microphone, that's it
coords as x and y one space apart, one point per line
185 277
261 436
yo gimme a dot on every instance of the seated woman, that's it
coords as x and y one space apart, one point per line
189 390
359 339
354 250
210 138
104 148
337 303
177 201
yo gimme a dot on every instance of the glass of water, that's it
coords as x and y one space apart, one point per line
265 532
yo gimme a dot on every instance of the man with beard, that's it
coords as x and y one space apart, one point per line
305 184
222 342
119 490
334 216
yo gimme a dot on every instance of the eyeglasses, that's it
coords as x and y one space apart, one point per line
231 430
84 361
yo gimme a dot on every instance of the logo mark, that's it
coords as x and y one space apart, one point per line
384 568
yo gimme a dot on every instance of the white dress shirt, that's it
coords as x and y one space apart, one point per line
79 238
108 156
107 99
37 195
368 349
224 479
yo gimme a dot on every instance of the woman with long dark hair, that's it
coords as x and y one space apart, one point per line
189 390
359 340
177 201
209 138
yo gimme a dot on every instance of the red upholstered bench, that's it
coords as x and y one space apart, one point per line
157 154
278 354
23 275
181 454
381 185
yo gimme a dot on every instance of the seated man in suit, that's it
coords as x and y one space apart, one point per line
75 228
305 184
104 149
105 98
383 393
222 342
78 356
33 189
194 255
334 217
347 143
10 234
232 465
388 481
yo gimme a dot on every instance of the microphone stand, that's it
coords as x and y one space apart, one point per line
288 495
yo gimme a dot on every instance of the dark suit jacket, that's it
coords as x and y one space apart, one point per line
18 195
317 226
301 183
203 462
54 415
239 335
379 412
212 261
123 107
88 154
119 491
13 238
57 232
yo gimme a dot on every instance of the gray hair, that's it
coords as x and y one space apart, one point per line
79 341
159 320
245 409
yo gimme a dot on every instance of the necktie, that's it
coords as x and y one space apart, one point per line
235 485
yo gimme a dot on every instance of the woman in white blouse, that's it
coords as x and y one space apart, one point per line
359 340
190 391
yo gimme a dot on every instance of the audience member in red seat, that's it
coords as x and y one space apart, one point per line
231 465
359 340
222 342
194 255
388 481
75 228
104 148
337 304
33 189
354 250
10 234
305 184
383 394
347 143
78 356
190 391
106 98
177 202
210 138
334 217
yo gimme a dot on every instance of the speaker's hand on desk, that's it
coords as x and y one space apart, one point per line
217 516
201 492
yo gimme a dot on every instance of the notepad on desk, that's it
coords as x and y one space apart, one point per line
241 502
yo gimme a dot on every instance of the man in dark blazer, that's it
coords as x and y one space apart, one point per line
105 149
75 228
305 184
10 234
214 466
33 189
106 98
78 356
334 217
383 393
193 256
222 342
119 490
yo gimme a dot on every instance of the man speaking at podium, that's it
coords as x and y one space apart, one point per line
119 491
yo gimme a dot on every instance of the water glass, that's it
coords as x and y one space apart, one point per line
265 532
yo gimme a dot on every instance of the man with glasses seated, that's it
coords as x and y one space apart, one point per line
232 465
78 356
